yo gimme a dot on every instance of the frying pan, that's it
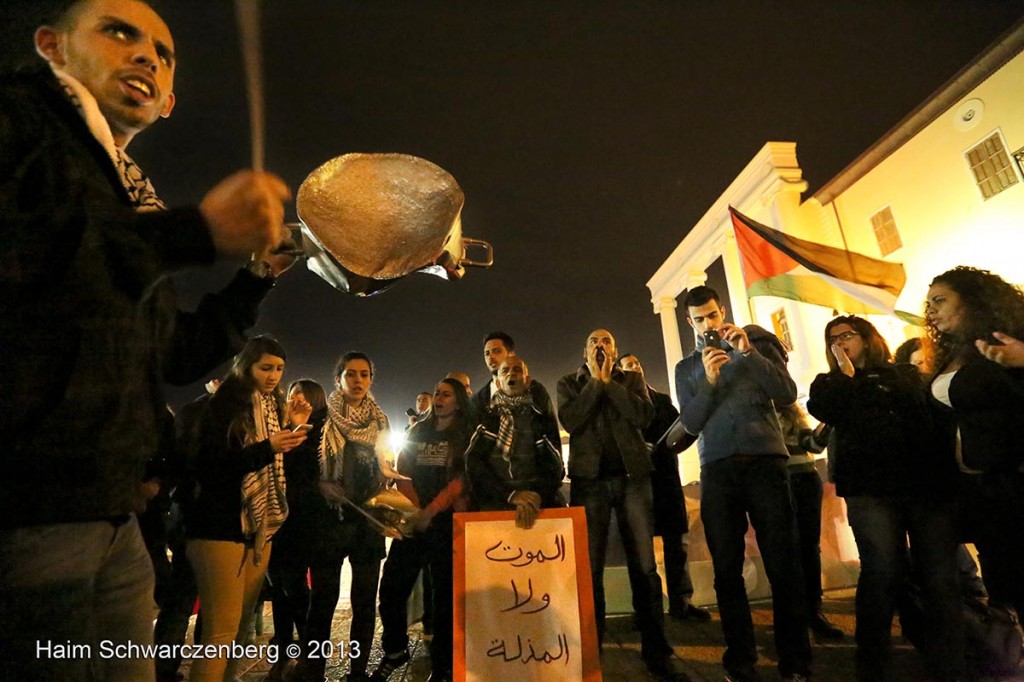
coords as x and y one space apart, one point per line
367 220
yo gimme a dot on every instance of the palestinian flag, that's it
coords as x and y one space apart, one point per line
776 264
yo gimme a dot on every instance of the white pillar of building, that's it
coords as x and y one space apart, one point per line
665 308
739 303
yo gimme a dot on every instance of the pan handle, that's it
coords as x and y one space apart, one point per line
294 248
486 246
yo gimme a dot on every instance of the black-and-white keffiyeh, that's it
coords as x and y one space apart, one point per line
366 424
264 504
136 183
504 404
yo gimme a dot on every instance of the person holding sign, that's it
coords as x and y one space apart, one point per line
513 461
605 411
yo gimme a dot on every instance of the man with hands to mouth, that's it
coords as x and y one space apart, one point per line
605 411
514 460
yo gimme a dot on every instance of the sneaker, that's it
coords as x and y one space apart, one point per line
692 613
823 629
389 664
750 675
666 669
795 677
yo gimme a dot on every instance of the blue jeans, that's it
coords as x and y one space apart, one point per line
732 489
880 527
632 502
83 583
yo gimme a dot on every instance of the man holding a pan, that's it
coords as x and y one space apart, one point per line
90 331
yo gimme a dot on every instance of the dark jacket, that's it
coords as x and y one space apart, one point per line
593 411
666 485
884 441
222 461
90 328
988 404
736 416
492 479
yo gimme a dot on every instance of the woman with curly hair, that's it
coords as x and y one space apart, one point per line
240 500
970 313
895 485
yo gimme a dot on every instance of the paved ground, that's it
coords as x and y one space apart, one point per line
698 646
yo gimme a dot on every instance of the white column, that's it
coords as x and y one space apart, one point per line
665 308
739 304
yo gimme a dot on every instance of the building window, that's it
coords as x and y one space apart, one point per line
885 231
781 326
991 165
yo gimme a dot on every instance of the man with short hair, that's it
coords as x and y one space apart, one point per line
421 410
728 388
514 460
605 411
670 519
498 346
91 330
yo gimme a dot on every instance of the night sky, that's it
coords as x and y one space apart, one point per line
587 137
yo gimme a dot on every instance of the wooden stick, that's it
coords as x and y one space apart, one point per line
247 13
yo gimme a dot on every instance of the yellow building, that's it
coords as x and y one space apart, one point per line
944 187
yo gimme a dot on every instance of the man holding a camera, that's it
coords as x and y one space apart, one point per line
728 388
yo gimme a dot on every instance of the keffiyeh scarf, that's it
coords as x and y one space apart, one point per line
504 405
264 504
365 423
140 190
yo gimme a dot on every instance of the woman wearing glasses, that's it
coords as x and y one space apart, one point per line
895 485
974 319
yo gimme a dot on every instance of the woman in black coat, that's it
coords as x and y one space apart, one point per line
895 484
983 403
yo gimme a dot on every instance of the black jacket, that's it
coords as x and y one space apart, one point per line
885 443
492 479
90 328
988 404
591 411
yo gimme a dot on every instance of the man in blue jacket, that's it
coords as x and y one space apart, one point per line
726 397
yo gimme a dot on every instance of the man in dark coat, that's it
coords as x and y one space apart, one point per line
670 519
91 330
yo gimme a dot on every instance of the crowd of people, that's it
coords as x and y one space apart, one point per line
269 482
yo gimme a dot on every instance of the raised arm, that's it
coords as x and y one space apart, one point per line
576 403
631 399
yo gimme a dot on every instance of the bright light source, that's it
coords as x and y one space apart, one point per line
397 440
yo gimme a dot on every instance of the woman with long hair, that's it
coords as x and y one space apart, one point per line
240 500
896 483
433 459
289 564
347 473
971 311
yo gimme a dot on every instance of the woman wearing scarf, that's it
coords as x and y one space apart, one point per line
240 500
354 432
